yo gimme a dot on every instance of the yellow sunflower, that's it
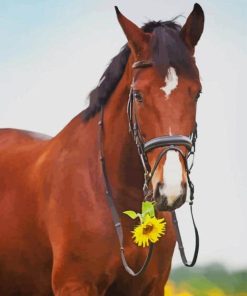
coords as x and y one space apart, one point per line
149 231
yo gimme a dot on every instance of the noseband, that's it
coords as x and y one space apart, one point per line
168 143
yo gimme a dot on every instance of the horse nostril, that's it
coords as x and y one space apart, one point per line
179 201
158 190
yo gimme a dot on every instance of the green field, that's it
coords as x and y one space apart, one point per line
212 280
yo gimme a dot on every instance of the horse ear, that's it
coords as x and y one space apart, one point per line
137 39
193 28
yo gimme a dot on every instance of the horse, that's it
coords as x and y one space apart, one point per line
57 234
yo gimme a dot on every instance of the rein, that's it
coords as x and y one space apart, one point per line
115 215
168 143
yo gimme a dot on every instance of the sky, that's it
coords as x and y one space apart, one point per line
53 53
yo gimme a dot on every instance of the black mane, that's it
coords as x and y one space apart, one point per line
168 50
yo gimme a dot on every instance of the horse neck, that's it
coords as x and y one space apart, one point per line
122 161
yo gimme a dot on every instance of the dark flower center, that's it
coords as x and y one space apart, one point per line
147 229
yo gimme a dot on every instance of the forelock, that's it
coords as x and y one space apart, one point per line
169 50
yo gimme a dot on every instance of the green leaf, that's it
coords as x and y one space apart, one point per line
131 214
148 209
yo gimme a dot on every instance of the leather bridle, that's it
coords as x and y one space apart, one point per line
173 142
167 143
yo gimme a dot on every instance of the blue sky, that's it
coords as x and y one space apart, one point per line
28 26
52 54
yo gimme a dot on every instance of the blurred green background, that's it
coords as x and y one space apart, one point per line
210 280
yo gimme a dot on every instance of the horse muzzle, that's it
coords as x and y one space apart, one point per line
169 201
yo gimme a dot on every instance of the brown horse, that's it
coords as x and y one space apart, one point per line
57 235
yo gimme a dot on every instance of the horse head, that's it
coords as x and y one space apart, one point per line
163 98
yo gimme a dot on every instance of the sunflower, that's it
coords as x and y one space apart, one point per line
149 231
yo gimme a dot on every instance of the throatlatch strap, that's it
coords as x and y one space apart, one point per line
115 216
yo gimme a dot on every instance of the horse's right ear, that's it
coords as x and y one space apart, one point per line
193 28
137 39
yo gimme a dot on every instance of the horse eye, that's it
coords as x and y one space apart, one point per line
137 96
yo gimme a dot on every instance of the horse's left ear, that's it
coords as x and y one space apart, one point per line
137 39
193 28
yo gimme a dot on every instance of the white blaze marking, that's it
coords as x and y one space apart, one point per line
172 177
171 82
